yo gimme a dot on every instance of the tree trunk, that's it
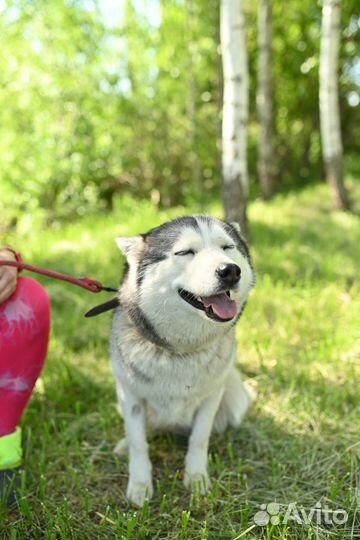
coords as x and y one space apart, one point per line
264 101
329 103
235 111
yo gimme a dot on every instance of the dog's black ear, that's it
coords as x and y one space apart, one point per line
129 245
101 308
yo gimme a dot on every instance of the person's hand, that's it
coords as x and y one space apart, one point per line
8 275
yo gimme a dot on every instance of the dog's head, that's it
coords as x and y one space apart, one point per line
189 279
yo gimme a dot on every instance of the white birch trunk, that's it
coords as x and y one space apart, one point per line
264 101
329 102
235 110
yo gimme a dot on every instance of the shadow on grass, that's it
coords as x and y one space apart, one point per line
74 477
258 464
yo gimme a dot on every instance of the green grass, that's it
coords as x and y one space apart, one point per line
298 344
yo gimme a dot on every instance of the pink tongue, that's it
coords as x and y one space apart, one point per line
221 304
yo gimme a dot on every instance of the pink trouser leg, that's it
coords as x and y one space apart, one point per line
24 337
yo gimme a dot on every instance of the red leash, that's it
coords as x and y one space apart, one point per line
86 283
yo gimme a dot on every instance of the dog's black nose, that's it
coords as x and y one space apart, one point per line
229 274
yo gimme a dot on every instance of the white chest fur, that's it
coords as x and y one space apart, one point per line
172 385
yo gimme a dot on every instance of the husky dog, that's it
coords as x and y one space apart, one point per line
173 341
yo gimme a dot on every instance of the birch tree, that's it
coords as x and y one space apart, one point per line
264 100
329 102
235 111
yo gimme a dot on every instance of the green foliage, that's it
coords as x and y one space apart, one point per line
298 344
90 109
296 41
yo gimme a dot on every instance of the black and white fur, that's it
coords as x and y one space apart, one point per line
173 360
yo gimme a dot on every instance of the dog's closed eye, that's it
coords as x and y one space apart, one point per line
184 252
228 246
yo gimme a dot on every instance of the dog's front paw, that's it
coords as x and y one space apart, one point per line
138 491
197 481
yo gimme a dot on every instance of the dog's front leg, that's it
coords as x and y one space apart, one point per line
140 481
196 474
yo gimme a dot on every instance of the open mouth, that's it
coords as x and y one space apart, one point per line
218 307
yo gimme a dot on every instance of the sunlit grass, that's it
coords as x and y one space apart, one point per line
298 343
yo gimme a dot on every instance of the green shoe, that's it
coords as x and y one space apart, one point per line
10 460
